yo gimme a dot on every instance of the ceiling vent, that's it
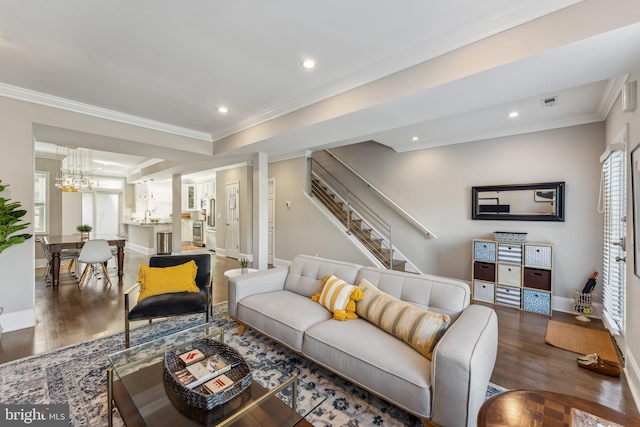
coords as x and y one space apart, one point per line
552 101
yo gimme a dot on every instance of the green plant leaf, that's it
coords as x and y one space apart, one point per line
10 215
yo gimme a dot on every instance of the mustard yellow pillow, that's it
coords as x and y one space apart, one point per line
165 280
419 328
339 297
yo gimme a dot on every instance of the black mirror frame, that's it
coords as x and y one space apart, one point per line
560 210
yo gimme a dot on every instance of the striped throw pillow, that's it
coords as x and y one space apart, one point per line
419 328
339 297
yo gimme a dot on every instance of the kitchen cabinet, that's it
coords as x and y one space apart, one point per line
187 230
211 239
189 197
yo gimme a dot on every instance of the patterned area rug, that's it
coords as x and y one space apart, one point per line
76 374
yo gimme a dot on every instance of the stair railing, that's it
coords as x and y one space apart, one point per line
351 203
411 219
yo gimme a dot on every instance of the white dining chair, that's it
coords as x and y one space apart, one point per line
94 252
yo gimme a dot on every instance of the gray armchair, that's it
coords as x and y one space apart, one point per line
173 304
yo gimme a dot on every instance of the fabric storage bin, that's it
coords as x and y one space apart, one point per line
483 291
484 271
484 251
507 236
509 274
537 278
537 256
537 301
507 295
510 253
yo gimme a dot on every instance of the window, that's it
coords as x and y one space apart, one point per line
40 197
614 207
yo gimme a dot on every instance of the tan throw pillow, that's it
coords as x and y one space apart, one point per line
339 297
164 280
419 328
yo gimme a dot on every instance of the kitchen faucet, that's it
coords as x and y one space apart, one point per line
145 215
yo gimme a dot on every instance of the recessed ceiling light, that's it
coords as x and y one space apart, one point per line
223 110
415 138
513 114
308 64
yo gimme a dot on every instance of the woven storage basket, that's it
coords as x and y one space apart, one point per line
195 402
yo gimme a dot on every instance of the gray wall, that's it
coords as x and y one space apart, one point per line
303 229
434 186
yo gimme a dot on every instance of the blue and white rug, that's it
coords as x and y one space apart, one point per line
76 375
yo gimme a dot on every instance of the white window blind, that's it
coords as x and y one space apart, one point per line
615 210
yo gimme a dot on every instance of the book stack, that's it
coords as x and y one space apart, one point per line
204 370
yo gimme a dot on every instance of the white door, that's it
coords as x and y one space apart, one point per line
233 220
272 220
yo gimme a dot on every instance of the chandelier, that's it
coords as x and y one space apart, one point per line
75 169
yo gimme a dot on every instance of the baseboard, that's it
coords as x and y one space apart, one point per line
141 249
565 305
41 263
221 252
18 320
632 372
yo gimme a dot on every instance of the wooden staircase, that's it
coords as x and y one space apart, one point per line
357 227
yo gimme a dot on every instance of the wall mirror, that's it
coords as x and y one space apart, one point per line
519 202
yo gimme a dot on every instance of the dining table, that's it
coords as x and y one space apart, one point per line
57 243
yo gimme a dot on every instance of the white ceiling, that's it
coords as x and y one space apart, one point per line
171 64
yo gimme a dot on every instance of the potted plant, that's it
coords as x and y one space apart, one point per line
244 263
9 222
84 230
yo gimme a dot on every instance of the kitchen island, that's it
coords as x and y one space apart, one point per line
142 235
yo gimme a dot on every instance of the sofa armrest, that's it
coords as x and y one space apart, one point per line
260 282
462 364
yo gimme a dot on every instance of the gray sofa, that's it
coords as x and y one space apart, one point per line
447 391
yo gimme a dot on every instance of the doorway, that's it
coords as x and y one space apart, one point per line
271 197
232 237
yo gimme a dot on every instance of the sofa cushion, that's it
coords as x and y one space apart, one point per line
339 297
307 273
362 353
419 328
433 293
282 315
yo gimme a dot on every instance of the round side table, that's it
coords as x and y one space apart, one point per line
237 272
545 408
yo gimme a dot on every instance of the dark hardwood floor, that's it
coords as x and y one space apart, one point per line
524 360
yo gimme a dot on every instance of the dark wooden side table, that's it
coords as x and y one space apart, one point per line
546 409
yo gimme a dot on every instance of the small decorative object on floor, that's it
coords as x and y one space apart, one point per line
84 230
244 263
583 299
595 363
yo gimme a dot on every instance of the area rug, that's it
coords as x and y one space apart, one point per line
578 339
76 375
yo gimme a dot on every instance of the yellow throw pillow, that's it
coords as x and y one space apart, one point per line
419 328
164 280
339 297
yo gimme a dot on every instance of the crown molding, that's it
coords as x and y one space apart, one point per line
28 95
517 14
610 95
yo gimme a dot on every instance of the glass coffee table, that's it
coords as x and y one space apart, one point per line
135 385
